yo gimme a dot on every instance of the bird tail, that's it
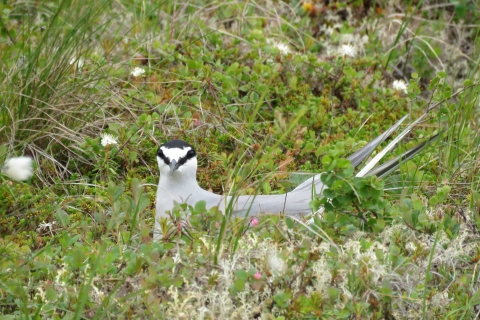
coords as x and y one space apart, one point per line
386 168
357 157
381 171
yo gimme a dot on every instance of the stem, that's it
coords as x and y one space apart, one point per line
5 182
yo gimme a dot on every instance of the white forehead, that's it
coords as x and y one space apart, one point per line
175 153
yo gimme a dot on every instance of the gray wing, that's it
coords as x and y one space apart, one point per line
291 203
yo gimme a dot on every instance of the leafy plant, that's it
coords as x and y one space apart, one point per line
350 203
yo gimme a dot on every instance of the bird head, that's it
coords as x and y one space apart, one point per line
175 158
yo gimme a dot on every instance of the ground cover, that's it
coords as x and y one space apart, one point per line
90 89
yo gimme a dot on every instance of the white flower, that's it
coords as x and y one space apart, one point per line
108 139
282 47
18 168
400 85
347 50
77 62
411 247
137 72
276 265
46 225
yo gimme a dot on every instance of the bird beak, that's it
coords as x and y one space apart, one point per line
173 167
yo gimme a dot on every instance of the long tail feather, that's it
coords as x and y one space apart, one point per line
372 163
357 157
393 164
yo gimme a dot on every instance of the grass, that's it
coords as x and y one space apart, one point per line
259 90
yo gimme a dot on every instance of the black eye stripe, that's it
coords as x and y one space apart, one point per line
190 154
162 156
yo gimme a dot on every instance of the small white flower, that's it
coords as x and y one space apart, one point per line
77 62
276 265
347 50
411 247
18 168
282 47
400 85
108 139
137 72
46 225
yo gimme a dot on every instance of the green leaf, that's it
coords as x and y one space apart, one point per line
266 187
262 88
309 147
422 218
334 293
290 223
241 274
350 72
433 200
194 64
380 223
194 100
114 192
433 83
292 82
330 216
282 299
143 202
332 165
78 257
379 254
62 217
329 193
326 160
51 294
200 206
461 10
232 68
239 285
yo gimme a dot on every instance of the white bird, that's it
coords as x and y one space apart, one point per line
177 162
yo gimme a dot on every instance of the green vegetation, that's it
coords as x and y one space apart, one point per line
260 89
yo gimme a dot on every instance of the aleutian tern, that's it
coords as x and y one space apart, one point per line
177 161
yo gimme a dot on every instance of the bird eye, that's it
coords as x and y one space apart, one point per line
190 153
160 153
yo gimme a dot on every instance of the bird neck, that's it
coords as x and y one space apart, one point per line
179 180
